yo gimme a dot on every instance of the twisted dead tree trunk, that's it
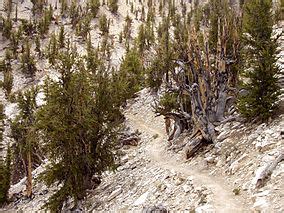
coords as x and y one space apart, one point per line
209 92
207 88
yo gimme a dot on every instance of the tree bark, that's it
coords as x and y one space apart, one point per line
264 175
194 145
29 176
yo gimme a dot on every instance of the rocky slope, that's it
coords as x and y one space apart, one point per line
221 178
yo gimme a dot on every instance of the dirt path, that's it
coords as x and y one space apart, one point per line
223 198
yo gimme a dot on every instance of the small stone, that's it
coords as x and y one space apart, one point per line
222 136
179 181
115 193
186 188
141 199
260 205
210 159
207 208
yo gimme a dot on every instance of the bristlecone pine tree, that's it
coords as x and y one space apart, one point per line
6 68
94 7
24 134
113 6
103 24
260 61
7 27
28 64
78 124
197 79
131 74
61 37
4 164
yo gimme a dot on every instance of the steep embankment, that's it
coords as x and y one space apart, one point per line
153 176
150 177
221 192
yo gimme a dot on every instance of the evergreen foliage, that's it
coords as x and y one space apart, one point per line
24 133
14 38
61 37
131 74
28 64
63 7
74 13
6 68
28 27
218 10
162 64
79 126
141 39
155 74
94 7
260 61
127 29
38 46
4 164
8 82
52 49
92 58
83 28
45 21
120 37
168 103
7 27
113 6
103 24
38 6
142 18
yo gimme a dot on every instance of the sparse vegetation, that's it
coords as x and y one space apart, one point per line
113 6
28 65
260 61
24 133
74 122
103 24
5 164
204 64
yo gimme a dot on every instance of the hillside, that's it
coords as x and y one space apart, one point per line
231 165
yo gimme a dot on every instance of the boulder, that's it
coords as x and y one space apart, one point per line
142 199
207 208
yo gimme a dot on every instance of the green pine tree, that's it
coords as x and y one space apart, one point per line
78 125
8 82
28 64
24 133
7 27
61 37
94 6
113 6
6 68
131 74
52 49
260 61
141 39
5 170
127 28
92 58
162 64
103 24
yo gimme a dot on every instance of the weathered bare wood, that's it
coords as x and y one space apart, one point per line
178 126
265 174
194 145
133 141
202 90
